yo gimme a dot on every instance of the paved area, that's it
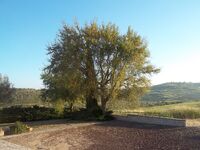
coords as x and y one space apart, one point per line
4 145
112 135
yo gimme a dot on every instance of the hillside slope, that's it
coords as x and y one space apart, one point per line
26 96
173 91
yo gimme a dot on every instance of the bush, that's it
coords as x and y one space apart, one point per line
105 117
35 113
31 113
85 115
59 107
121 104
18 128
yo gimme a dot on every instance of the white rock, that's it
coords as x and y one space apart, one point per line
30 129
1 132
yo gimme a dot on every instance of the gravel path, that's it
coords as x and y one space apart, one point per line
113 135
4 145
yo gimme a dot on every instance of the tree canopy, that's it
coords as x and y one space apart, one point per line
97 63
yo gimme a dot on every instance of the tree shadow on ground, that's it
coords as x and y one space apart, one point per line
194 137
126 124
46 122
55 122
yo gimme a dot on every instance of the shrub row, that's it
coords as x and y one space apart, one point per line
83 114
30 113
36 113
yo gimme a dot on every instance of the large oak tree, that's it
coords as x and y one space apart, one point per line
96 62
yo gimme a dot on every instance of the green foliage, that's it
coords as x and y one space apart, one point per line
26 96
59 106
127 99
84 115
121 104
23 96
31 113
106 116
95 62
18 128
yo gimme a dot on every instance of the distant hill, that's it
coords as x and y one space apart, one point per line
159 94
177 91
26 96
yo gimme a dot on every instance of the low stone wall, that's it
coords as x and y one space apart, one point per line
153 120
7 131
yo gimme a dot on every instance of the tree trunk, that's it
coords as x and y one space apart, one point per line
103 104
91 102
91 83
71 107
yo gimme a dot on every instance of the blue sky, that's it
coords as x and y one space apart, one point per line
171 28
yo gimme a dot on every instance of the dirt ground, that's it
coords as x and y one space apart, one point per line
112 135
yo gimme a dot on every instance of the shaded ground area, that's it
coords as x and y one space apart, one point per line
113 135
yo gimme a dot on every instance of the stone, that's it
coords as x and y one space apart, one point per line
30 129
1 132
6 130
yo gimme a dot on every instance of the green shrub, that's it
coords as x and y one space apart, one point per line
85 115
121 104
18 128
31 113
35 113
105 117
59 107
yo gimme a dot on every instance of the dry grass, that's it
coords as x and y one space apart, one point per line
187 110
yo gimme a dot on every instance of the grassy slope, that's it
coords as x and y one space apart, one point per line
173 91
189 110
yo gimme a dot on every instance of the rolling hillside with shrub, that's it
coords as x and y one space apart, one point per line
173 92
24 96
162 94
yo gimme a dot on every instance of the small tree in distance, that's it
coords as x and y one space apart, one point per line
6 89
97 62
